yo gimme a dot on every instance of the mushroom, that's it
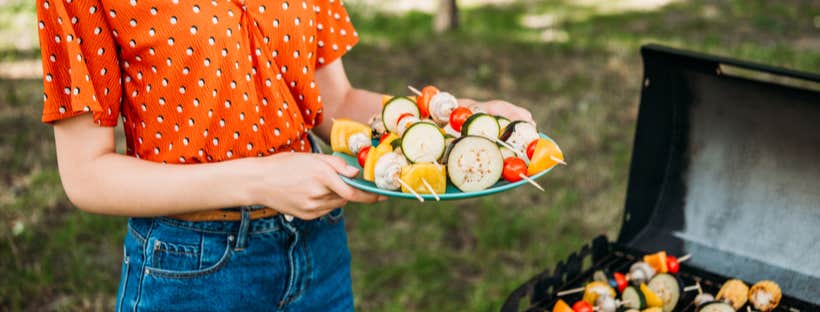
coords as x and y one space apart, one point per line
388 170
441 105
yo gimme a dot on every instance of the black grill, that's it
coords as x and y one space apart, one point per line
725 168
538 294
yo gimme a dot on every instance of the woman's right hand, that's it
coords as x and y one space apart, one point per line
305 185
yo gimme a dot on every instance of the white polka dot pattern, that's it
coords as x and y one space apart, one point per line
194 81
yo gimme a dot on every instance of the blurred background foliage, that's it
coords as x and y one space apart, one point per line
574 63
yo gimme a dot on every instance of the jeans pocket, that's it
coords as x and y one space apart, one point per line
174 257
180 253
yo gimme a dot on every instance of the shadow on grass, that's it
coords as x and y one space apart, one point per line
576 68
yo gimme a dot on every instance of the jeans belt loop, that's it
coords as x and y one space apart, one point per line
244 224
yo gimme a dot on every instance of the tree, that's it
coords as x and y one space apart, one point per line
446 16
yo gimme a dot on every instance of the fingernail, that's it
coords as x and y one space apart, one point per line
352 170
382 198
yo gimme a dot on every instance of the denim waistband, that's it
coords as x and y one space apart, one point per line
258 226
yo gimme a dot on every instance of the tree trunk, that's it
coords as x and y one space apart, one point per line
446 16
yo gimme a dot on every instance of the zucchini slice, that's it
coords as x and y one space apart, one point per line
422 142
394 108
716 306
634 298
474 163
481 125
668 288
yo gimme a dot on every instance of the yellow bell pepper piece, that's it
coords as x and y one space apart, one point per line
415 175
341 131
652 299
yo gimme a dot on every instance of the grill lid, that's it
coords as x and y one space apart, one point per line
727 168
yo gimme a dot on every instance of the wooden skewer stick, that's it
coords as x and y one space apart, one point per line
558 160
430 188
684 258
421 199
570 291
531 181
507 145
416 91
692 287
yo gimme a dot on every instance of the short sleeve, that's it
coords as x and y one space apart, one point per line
335 32
80 65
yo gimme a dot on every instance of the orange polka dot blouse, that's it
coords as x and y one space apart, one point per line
192 80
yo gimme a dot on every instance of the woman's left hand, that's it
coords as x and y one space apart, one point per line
500 108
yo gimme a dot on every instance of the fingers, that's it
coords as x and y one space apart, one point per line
347 192
339 165
311 209
510 111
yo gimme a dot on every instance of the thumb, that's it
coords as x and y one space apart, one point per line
340 165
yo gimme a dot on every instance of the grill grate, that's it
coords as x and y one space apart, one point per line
603 255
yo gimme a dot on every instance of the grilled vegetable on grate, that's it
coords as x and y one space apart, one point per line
716 306
734 291
765 295
652 299
561 306
634 298
640 272
668 288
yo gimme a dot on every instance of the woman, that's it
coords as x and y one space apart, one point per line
216 99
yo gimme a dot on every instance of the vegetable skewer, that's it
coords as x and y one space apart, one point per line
430 188
421 199
531 181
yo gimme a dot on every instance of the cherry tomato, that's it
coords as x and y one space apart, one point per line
620 281
582 306
363 155
531 148
459 116
403 116
423 100
672 264
514 168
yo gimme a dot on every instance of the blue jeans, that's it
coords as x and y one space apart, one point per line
267 264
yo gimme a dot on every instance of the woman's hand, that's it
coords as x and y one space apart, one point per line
500 108
304 185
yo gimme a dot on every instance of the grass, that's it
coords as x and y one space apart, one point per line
576 66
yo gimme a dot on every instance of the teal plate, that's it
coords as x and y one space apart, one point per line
451 193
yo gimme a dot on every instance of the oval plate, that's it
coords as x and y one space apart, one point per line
451 193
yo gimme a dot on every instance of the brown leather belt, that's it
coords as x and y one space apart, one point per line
224 215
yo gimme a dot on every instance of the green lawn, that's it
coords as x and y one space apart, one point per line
575 66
